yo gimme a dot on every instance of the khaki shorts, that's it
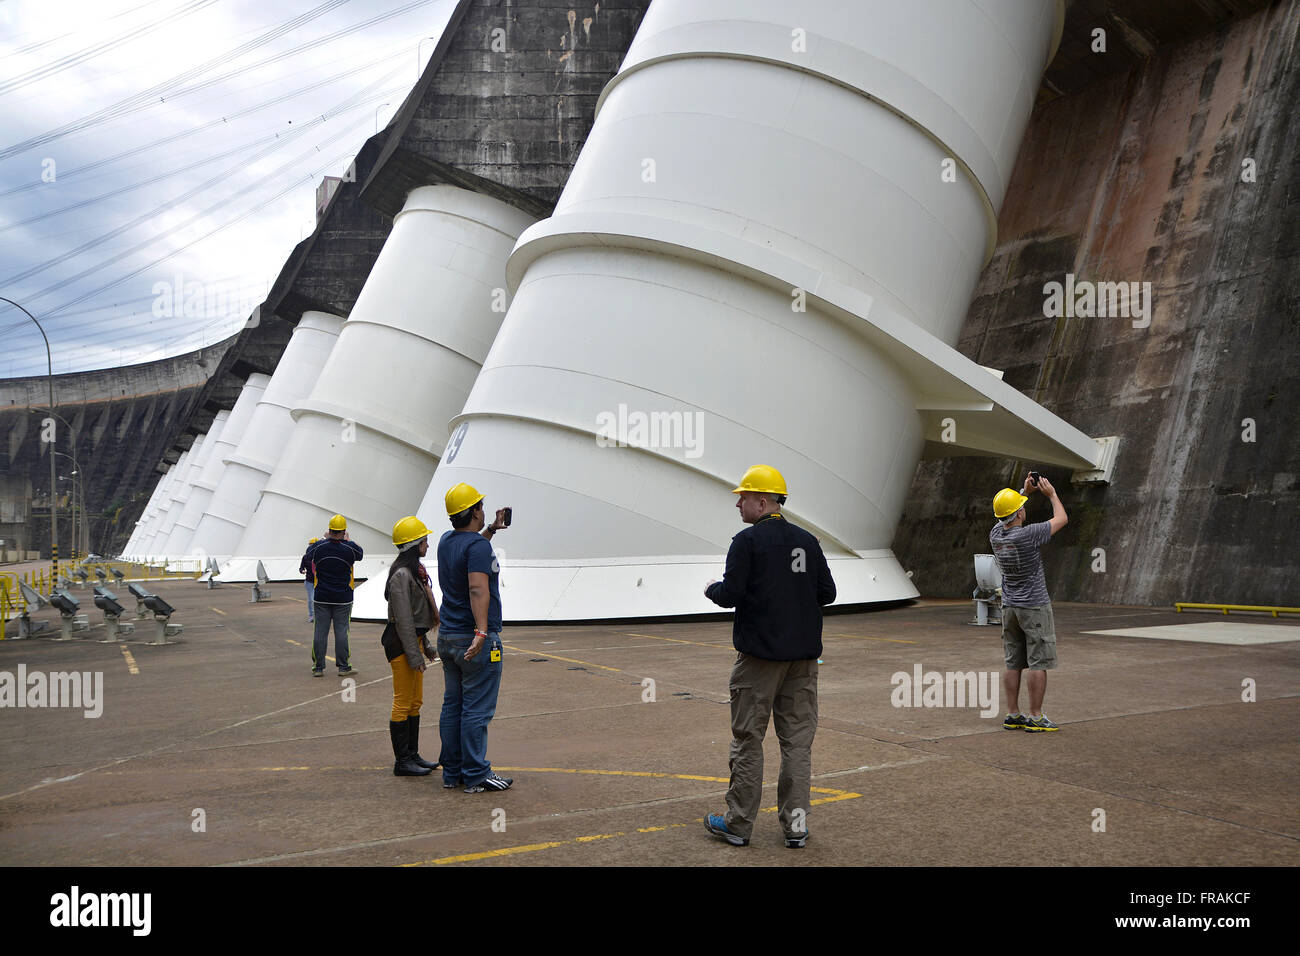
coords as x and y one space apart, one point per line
1029 638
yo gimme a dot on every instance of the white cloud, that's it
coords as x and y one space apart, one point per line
249 253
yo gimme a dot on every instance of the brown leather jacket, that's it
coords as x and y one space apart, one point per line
408 609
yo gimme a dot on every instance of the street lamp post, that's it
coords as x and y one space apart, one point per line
54 521
78 479
418 47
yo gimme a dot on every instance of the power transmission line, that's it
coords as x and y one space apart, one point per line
65 175
140 100
90 52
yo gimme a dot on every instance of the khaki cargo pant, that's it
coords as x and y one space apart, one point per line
786 691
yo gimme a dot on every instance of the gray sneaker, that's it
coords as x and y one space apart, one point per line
1038 725
796 841
347 671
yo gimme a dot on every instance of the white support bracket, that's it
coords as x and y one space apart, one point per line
1107 452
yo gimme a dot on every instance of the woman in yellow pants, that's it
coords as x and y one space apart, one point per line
411 612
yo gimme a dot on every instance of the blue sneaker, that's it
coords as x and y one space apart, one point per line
716 824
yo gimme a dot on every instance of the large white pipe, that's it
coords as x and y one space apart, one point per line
249 464
770 238
154 538
180 495
201 488
218 530
366 441
132 549
149 519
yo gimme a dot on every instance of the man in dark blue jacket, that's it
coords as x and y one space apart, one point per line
333 559
777 579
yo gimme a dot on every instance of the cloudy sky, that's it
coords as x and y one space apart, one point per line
159 158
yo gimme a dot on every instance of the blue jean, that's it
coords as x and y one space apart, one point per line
469 701
341 616
311 600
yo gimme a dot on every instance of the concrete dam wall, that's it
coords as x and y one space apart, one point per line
1183 173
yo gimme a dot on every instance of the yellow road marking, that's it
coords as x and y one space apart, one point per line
486 854
678 640
837 795
289 640
219 611
860 637
130 661
569 660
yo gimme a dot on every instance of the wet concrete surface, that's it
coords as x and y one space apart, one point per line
230 721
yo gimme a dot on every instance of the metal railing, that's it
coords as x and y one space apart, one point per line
1225 608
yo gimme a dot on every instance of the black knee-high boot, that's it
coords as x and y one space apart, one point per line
413 739
403 765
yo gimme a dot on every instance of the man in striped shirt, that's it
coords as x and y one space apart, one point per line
1028 630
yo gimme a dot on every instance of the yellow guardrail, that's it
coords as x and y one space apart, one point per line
1225 608
7 606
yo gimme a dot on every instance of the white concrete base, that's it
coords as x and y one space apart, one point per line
556 591
240 570
1212 632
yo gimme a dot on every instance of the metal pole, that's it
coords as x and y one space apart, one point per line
78 486
54 520
418 47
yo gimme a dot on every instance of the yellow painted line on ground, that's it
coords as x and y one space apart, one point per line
834 795
837 795
130 661
289 640
569 660
298 600
678 640
487 854
219 611
860 637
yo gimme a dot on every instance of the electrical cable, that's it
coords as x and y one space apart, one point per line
147 97
90 52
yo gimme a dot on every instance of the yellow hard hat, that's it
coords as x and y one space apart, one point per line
460 497
761 478
313 540
1007 502
409 529
338 523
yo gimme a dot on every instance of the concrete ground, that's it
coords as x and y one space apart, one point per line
222 749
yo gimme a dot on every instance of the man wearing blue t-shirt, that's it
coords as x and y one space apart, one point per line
469 641
1028 628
